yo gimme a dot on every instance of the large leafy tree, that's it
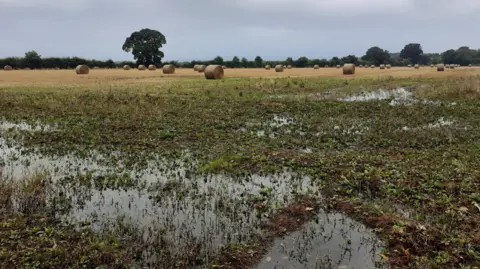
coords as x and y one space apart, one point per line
218 60
32 60
413 52
301 62
145 46
350 59
235 61
258 61
376 55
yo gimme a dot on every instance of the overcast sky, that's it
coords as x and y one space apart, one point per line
203 29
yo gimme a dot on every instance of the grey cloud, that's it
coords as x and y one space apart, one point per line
203 29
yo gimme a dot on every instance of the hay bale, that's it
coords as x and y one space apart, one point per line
440 67
213 72
326 66
279 68
168 69
348 69
289 67
409 66
338 66
267 67
388 66
452 66
316 66
417 66
361 66
7 68
382 66
126 67
152 67
82 70
470 65
195 67
431 65
142 67
201 68
372 66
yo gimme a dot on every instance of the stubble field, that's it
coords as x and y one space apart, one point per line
301 169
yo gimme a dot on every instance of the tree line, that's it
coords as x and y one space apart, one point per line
410 54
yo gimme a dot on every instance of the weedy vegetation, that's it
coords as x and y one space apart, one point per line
130 170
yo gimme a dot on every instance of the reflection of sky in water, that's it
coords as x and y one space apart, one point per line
166 198
334 242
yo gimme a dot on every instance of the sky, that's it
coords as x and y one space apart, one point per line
201 30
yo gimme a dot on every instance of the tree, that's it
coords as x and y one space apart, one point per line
235 62
334 61
32 60
413 52
350 59
145 46
218 60
301 62
244 62
289 61
464 55
258 61
448 57
376 56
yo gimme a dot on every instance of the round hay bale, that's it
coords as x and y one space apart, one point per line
224 67
289 67
388 66
267 67
372 66
195 67
348 69
338 66
96 67
417 66
452 66
152 67
409 66
440 67
279 68
326 66
382 66
213 72
361 66
82 69
470 65
142 67
201 68
168 69
431 65
126 67
7 68
316 66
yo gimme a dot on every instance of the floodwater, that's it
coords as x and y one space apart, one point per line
330 241
167 203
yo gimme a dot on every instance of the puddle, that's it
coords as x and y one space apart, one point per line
399 96
165 201
274 127
171 207
396 94
24 126
279 121
332 241
441 122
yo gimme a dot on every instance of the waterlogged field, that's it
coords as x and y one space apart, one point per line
300 169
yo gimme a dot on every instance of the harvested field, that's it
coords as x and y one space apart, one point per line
52 77
144 170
